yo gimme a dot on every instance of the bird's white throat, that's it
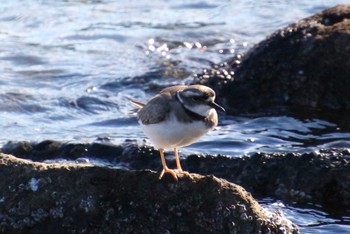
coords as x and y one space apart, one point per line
200 109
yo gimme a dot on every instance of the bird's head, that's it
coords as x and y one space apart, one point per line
199 99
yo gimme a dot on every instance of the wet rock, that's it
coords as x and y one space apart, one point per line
50 149
75 198
300 67
319 177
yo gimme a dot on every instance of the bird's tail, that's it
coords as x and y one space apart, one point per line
138 104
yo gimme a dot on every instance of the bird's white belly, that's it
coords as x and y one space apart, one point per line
170 133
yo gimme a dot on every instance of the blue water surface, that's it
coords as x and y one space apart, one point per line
69 69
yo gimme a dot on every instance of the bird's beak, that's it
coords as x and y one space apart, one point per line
216 106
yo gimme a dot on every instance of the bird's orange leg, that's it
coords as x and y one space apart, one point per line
165 167
177 159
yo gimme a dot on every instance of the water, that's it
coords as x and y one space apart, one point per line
69 68
309 220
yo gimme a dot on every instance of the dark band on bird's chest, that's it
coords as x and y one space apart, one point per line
207 120
194 116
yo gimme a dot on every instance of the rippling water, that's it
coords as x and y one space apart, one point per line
309 220
69 68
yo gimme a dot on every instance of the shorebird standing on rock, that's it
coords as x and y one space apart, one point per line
178 116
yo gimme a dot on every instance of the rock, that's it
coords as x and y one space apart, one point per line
301 67
75 198
321 178
300 178
50 149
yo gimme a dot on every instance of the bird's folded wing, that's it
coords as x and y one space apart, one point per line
155 111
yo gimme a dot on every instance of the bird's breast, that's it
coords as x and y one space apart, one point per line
172 133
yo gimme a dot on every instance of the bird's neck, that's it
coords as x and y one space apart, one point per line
195 116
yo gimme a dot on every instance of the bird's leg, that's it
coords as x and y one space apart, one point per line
177 159
165 168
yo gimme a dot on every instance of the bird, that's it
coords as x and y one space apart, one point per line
178 116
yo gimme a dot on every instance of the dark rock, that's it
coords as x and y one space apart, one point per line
129 154
50 149
318 177
303 66
75 198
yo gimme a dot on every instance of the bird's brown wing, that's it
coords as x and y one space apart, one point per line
156 110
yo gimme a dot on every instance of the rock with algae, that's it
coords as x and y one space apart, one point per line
304 65
320 177
74 198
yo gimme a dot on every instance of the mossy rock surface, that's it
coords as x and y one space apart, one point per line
300 67
74 198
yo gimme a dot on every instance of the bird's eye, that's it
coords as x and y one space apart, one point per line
196 99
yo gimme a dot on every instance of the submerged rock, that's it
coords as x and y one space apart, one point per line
74 198
304 65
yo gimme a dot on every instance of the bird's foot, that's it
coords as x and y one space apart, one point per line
180 171
167 170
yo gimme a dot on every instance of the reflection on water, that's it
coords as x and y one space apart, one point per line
69 68
239 136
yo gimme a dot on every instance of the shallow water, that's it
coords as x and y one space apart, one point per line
69 68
